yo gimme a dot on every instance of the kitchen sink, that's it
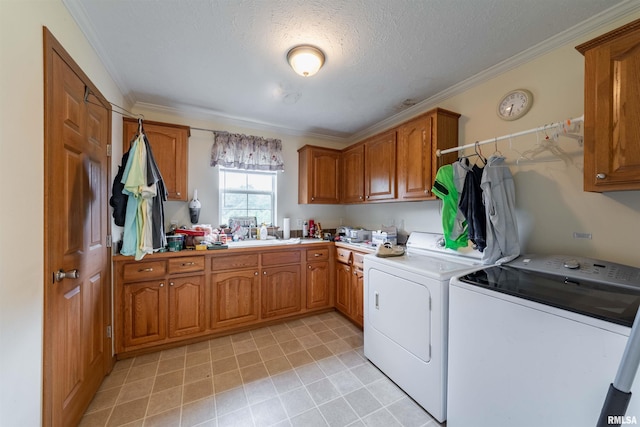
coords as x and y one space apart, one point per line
259 243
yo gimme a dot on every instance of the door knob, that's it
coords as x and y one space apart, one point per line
60 275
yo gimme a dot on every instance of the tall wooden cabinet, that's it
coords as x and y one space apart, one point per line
318 175
170 144
612 110
318 278
418 141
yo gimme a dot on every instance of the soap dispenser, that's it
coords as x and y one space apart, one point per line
263 232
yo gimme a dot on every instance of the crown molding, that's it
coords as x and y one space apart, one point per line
205 114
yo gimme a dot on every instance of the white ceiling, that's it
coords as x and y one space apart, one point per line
227 58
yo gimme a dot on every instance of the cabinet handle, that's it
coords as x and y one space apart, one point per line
187 264
178 193
171 283
309 267
145 270
355 272
360 197
317 255
313 198
162 285
264 272
601 176
255 274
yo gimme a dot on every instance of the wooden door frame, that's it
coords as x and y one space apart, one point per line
51 47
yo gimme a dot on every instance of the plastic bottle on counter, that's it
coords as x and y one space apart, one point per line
263 232
305 229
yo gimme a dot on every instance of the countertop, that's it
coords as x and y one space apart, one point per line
252 245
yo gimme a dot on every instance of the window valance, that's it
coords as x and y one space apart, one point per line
234 150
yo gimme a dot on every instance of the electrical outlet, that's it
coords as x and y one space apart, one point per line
299 223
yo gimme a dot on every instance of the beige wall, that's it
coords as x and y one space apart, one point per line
21 192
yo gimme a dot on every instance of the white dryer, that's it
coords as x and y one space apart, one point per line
406 315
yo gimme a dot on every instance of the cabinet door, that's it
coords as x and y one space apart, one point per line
352 168
234 297
186 306
318 175
357 296
169 144
343 288
280 290
612 108
380 167
318 294
145 315
414 159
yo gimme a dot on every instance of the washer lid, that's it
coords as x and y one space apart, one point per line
615 304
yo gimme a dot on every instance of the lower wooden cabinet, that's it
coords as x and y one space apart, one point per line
318 278
343 287
280 288
235 296
172 297
350 284
186 306
145 313
157 310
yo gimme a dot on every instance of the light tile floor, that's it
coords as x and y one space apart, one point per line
307 372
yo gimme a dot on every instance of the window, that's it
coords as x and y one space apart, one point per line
247 193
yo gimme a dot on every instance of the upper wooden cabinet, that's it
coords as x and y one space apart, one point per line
418 141
397 165
380 167
352 174
611 111
169 144
318 170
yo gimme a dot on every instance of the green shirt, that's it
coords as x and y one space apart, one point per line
444 187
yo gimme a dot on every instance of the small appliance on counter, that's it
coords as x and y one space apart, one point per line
385 235
194 208
358 235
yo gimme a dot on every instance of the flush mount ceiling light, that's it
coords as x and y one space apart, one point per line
305 60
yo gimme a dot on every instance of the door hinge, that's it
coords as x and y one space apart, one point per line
109 242
109 331
108 150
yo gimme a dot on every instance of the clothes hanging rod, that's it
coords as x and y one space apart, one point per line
88 91
547 127
210 130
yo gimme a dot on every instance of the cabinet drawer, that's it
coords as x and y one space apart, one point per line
186 264
343 255
143 270
230 262
318 254
277 258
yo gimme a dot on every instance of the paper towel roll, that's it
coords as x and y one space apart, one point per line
286 228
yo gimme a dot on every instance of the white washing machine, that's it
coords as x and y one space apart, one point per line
405 315
536 342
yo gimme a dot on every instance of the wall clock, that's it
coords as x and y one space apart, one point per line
515 104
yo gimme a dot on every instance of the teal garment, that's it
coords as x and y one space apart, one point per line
444 188
134 180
